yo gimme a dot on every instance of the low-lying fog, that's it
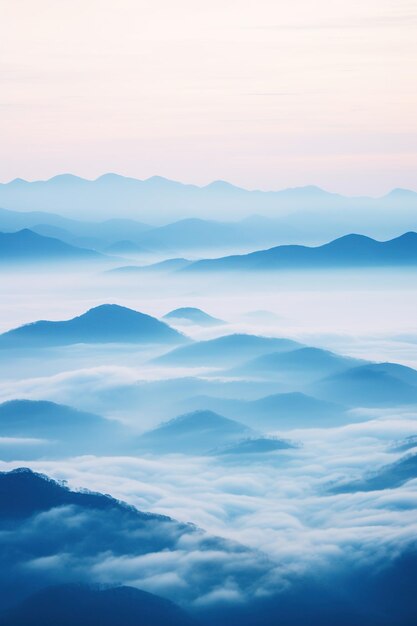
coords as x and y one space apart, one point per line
333 492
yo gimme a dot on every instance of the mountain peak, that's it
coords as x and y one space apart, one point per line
106 323
194 316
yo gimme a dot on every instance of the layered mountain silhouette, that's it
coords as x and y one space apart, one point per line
76 605
28 246
195 234
128 236
348 251
164 398
56 429
97 234
277 411
70 195
225 350
106 323
194 433
194 316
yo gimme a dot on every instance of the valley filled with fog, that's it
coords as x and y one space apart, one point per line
274 410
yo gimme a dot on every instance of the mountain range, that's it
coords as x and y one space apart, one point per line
349 251
129 197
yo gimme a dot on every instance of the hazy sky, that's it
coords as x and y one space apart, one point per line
265 93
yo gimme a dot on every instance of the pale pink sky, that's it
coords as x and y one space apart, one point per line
265 93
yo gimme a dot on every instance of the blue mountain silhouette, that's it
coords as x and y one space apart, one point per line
28 246
194 433
225 350
308 362
254 446
348 251
61 430
370 385
106 323
193 315
45 522
76 604
72 195
276 411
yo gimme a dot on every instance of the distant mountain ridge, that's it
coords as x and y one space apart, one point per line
348 251
113 195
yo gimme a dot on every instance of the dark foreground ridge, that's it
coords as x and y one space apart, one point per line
56 538
83 605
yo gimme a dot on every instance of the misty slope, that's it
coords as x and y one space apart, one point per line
103 324
162 399
225 350
170 265
27 246
193 234
405 444
194 316
95 538
301 364
194 433
76 605
347 251
388 477
60 429
275 412
254 446
386 384
124 246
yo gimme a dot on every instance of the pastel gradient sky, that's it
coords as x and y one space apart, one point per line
263 93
